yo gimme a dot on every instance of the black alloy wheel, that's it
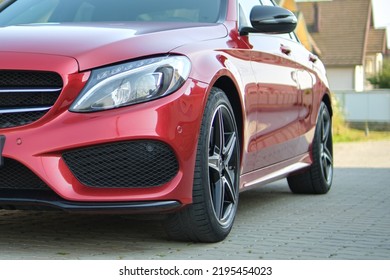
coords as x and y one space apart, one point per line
223 164
216 178
318 178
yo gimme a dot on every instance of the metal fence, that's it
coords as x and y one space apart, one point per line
371 108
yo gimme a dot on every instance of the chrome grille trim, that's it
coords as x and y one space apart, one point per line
30 90
26 96
24 110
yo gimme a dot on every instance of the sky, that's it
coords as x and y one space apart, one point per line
381 15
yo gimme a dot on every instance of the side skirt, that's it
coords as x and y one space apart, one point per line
274 172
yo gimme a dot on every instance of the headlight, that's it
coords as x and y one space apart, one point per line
132 83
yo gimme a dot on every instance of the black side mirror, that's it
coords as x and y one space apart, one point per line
271 19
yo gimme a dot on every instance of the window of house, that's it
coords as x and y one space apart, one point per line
369 66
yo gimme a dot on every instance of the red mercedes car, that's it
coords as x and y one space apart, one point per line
158 107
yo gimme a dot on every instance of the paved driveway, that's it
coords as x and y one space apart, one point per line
351 222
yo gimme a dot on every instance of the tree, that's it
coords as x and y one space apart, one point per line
382 80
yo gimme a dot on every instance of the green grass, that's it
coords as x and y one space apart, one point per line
355 135
343 133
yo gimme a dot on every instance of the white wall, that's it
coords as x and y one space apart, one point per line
359 80
341 78
346 78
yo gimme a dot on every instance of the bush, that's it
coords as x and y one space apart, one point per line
382 80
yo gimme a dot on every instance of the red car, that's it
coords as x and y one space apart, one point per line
158 107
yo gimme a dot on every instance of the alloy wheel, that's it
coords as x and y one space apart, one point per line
326 152
223 165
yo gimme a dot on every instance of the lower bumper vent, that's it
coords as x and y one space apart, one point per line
133 164
15 176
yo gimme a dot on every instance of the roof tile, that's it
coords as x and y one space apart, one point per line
343 29
377 41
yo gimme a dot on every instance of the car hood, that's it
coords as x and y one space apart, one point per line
94 45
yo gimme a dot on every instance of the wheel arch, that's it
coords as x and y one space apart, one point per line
228 86
328 102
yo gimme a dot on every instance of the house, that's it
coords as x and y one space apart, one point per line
301 30
376 48
351 48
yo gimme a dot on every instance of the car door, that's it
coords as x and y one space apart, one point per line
278 100
307 78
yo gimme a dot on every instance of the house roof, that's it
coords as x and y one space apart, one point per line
301 30
343 29
288 4
304 35
377 41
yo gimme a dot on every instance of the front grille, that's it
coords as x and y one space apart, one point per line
135 164
29 79
15 176
17 119
26 96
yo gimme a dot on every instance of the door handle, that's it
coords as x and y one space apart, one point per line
285 49
313 58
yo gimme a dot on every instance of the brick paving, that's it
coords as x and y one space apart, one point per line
351 222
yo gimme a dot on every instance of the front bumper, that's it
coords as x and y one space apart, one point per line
40 147
41 200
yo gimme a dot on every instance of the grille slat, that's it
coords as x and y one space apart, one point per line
26 96
134 164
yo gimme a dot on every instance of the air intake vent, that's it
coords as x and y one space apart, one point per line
15 176
133 164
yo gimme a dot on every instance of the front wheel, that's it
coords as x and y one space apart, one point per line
216 179
317 179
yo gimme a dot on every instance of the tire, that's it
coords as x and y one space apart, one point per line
216 179
318 178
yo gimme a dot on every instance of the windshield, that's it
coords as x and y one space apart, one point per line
18 12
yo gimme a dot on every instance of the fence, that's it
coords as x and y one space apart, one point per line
369 109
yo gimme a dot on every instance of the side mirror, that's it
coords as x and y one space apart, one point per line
271 19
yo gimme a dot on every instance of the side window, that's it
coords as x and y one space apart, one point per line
267 3
245 8
294 37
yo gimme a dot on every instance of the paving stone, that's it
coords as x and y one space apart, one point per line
351 222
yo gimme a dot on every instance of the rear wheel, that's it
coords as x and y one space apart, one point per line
317 179
216 179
